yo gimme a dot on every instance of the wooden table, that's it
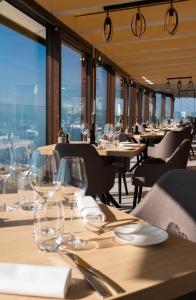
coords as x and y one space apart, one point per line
149 135
164 271
112 151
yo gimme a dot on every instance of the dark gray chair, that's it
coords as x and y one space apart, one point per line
167 145
148 173
100 176
171 204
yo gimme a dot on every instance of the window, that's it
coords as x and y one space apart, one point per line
167 108
22 77
119 101
184 107
72 102
158 107
101 97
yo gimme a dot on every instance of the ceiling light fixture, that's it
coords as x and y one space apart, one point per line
138 24
190 84
179 85
179 82
171 20
147 80
168 85
108 28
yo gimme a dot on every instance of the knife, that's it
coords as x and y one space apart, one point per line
82 263
102 290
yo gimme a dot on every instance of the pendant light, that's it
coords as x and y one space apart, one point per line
108 28
171 20
138 24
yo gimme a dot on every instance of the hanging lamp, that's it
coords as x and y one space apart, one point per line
138 24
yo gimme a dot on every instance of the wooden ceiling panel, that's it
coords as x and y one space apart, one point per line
157 55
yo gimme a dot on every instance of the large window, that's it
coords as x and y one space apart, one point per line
167 108
22 78
101 97
119 100
72 102
158 107
184 107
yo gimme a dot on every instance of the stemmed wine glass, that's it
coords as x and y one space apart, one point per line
22 157
84 131
6 168
43 173
108 132
73 180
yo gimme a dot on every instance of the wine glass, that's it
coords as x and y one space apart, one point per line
22 155
73 180
43 173
108 132
84 131
6 168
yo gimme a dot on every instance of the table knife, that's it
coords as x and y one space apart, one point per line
91 279
80 262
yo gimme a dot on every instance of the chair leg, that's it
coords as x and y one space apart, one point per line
119 187
112 200
135 196
125 183
102 198
139 194
192 151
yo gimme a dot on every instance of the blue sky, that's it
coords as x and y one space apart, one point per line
22 69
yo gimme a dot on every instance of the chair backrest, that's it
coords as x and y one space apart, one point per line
100 177
187 132
141 128
171 204
168 144
178 160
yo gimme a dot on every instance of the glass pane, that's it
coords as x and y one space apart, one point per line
183 108
101 97
119 101
150 108
167 108
22 85
158 107
71 91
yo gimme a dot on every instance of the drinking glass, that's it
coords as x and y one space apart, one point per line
108 132
84 131
43 173
48 225
25 193
22 155
6 168
73 180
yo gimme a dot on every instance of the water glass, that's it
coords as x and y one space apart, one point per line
26 195
48 225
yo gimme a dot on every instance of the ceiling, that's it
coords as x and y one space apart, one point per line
156 55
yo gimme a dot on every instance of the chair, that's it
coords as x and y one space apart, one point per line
167 145
148 173
188 134
100 176
122 164
171 204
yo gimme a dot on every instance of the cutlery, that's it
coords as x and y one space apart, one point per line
82 263
102 290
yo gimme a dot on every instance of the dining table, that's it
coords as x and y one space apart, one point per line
163 271
112 150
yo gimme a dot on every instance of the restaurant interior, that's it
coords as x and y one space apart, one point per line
97 149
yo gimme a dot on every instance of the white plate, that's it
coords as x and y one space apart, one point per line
140 234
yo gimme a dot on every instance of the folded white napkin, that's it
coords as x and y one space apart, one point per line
88 207
34 280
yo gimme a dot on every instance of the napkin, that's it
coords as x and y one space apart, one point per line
34 280
88 207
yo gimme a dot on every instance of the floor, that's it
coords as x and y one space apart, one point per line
127 200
